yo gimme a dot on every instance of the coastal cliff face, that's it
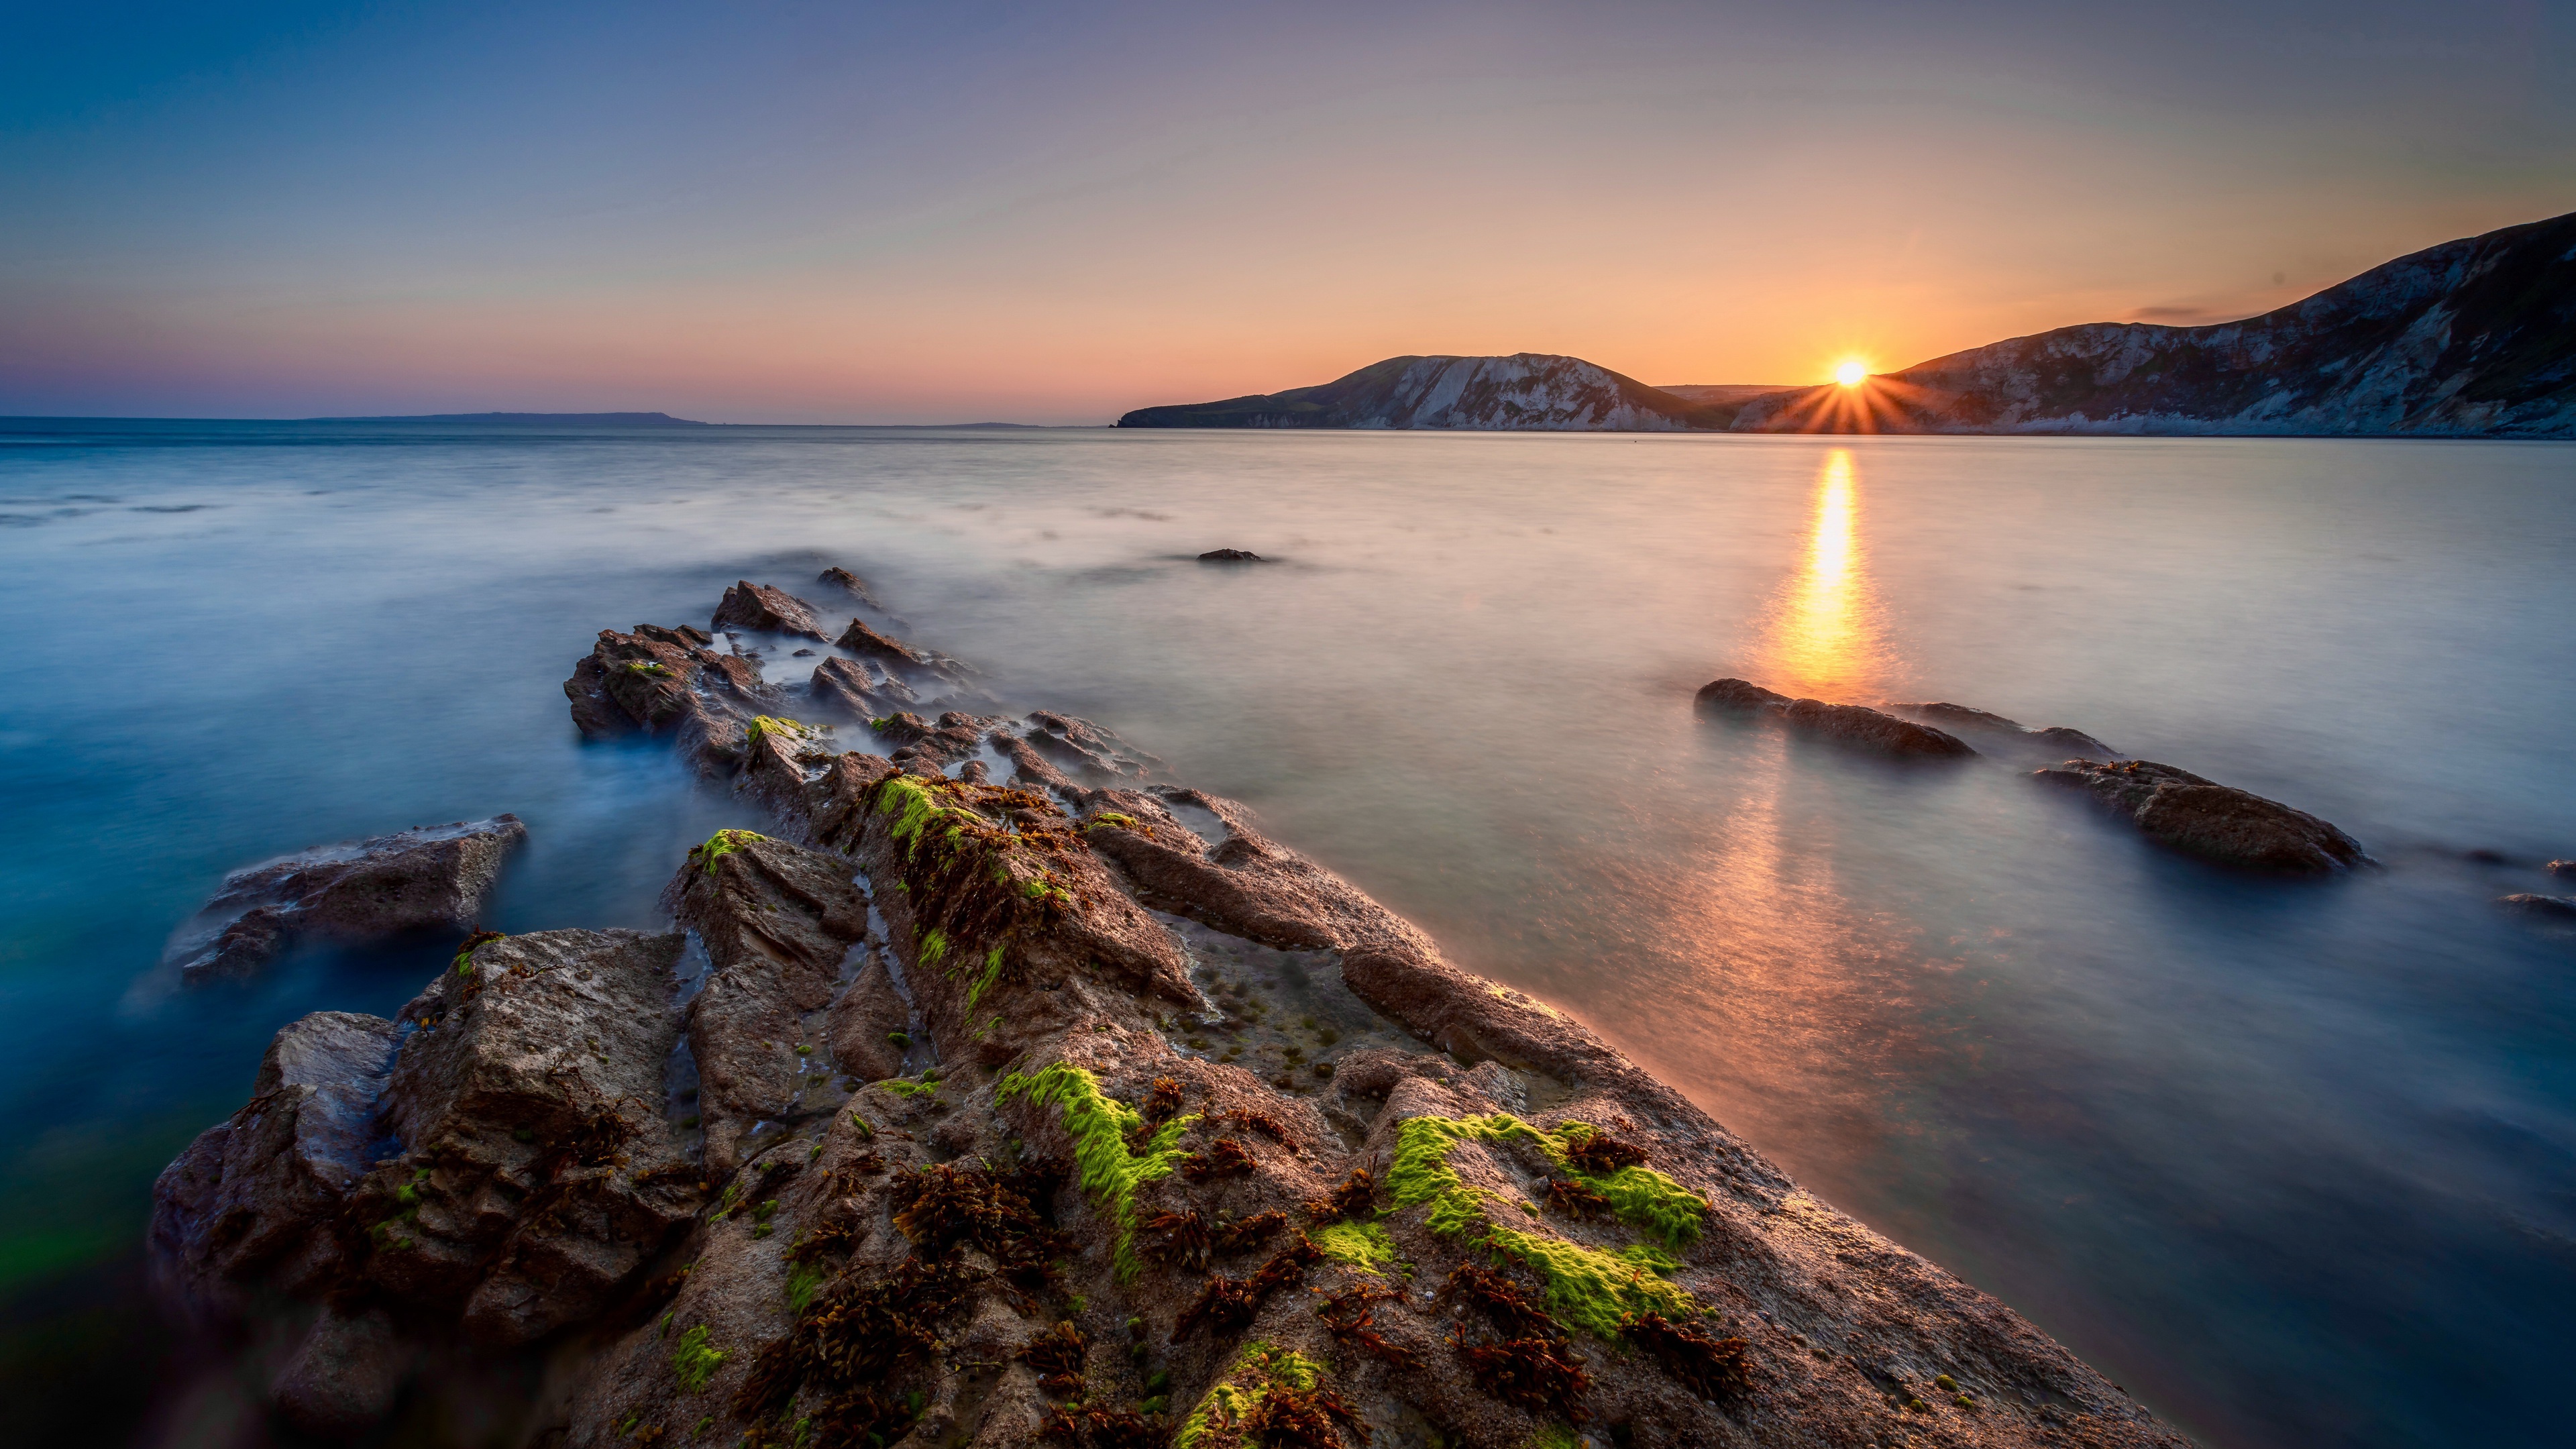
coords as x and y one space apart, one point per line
1528 391
2470 338
1000 1091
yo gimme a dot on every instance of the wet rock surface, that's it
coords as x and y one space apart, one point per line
762 609
2055 741
1042 1100
1853 725
2554 908
427 877
2216 822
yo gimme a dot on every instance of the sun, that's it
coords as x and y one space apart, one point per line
1850 372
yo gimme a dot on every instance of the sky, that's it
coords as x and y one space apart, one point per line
777 212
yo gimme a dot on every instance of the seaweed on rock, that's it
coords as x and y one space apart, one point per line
1709 1366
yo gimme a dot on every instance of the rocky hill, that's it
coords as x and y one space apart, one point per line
2473 337
1526 391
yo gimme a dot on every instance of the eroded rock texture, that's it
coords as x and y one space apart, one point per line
2217 822
430 876
1064 1107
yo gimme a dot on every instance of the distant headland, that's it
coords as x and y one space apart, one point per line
2473 338
535 420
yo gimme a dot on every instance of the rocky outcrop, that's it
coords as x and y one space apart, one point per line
766 610
1230 555
2474 337
1525 391
2562 867
430 877
2057 741
672 682
848 583
1078 1111
779 922
1853 725
255 1203
2216 822
2558 908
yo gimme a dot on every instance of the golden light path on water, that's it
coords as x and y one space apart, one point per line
1824 639
1792 970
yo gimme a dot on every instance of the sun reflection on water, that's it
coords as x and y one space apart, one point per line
1824 638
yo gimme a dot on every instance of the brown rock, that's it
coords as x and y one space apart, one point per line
777 920
537 1173
850 584
760 608
1857 726
255 1202
2058 741
2217 822
863 1021
427 877
345 1374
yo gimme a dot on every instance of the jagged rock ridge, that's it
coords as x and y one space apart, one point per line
1069 1110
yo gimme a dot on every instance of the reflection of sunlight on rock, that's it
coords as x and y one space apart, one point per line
1824 637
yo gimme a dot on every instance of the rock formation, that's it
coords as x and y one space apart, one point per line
1854 725
766 610
2554 907
1061 1109
2217 822
848 583
2057 741
1230 555
427 877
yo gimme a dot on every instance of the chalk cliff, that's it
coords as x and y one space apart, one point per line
1525 391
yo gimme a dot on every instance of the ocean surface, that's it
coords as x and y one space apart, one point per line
2293 1162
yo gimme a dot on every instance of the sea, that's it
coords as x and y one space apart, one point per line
2293 1162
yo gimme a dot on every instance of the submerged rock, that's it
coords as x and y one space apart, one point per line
2562 867
2555 907
2059 741
427 877
987 1161
2214 821
1848 724
850 584
770 611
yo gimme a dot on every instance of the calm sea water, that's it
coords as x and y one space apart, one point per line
2296 1163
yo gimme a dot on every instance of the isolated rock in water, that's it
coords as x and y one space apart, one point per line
1230 555
2058 741
2218 822
2562 867
770 611
1850 724
430 876
848 583
2557 907
255 1203
537 1172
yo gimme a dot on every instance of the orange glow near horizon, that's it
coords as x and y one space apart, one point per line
1824 638
1851 371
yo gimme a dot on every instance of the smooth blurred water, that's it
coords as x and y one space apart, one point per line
2296 1163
